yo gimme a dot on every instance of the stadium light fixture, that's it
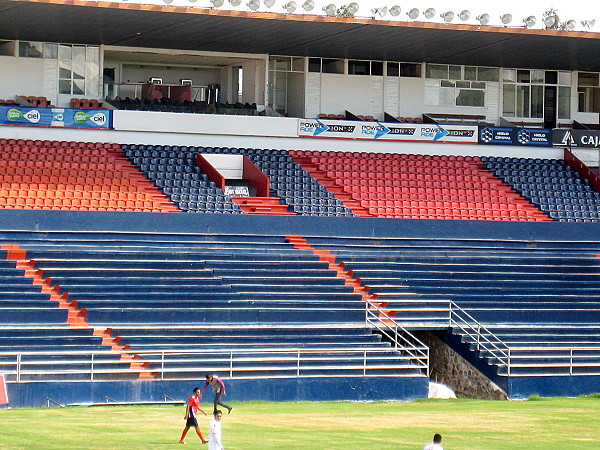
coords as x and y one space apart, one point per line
235 3
483 19
413 13
308 5
570 25
464 15
506 18
381 12
290 7
447 17
217 3
529 21
168 2
395 11
330 9
588 23
352 8
550 21
253 5
269 3
429 13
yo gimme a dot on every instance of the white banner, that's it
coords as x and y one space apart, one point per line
419 132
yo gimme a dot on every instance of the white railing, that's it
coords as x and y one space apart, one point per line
401 339
178 364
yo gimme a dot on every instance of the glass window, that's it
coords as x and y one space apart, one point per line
64 52
487 74
463 84
564 78
64 69
377 68
455 72
564 102
298 64
523 76
314 64
92 54
51 51
447 96
509 97
333 65
393 69
587 79
509 75
551 77
537 102
64 86
437 71
359 67
470 97
522 101
410 70
471 73
31 49
537 76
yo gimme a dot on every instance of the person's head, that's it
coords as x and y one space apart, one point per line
209 377
437 438
218 414
196 391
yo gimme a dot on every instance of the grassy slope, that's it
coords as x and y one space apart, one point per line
465 424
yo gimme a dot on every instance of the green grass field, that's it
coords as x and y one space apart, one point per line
557 423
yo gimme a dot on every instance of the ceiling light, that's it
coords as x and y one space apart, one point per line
269 3
352 8
217 3
330 9
506 18
483 19
253 5
395 10
235 3
550 21
308 5
588 23
530 21
168 2
570 25
448 16
429 13
290 7
413 13
381 12
465 15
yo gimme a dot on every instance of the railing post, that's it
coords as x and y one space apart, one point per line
162 365
571 361
508 363
18 367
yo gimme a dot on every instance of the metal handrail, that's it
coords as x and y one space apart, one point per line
373 317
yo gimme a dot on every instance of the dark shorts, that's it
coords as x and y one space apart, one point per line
191 422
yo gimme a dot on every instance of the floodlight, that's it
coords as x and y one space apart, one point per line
395 10
352 8
330 9
290 7
413 13
550 21
529 21
483 19
506 18
570 25
381 12
588 23
235 3
308 5
448 16
217 3
269 3
465 15
429 13
168 2
253 5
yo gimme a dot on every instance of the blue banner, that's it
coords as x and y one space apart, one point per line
55 117
539 137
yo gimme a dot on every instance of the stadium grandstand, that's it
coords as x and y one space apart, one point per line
313 207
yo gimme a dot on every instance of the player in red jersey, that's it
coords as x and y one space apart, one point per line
191 412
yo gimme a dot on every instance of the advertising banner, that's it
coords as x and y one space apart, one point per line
55 117
539 137
564 137
3 393
421 132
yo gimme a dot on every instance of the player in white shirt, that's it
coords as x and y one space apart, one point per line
214 432
436 444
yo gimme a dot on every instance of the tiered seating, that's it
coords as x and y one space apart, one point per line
213 295
417 186
173 169
73 176
532 298
551 185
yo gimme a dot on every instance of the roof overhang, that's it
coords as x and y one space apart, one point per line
188 28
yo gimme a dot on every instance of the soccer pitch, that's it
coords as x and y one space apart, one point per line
558 423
